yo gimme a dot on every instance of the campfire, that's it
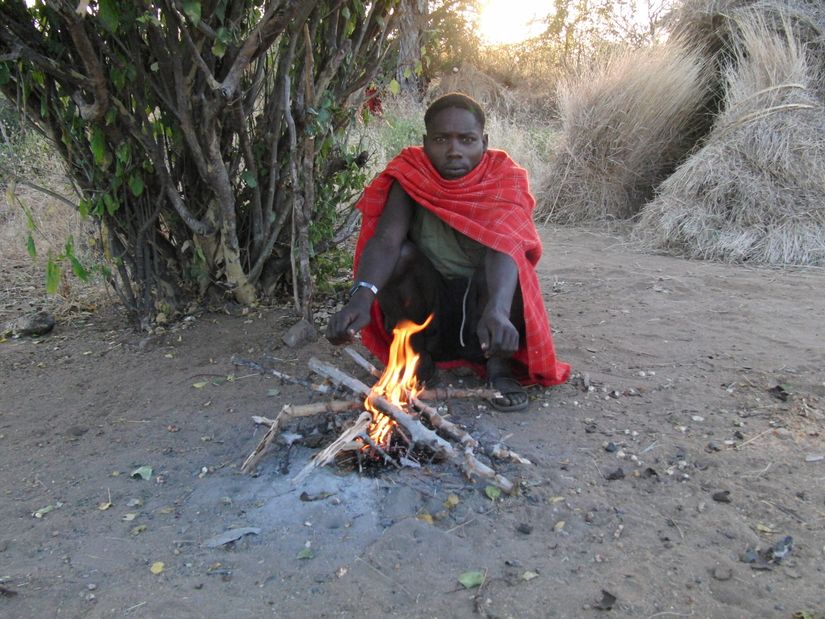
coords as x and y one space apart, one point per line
391 427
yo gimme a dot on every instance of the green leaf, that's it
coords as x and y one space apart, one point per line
5 73
273 392
52 276
98 144
493 493
143 472
80 272
306 553
123 152
395 87
192 10
111 203
136 185
472 579
108 14
249 179
83 207
30 247
218 48
407 73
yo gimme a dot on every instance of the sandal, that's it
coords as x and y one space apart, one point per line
513 396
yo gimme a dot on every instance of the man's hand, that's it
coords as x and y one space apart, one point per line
497 335
355 316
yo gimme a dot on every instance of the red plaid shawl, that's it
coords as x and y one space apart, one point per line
492 205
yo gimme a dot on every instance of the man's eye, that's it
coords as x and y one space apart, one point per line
440 139
469 139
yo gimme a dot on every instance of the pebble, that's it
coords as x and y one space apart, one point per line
723 496
524 528
614 475
722 573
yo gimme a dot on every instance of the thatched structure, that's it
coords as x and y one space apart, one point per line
625 127
750 185
756 190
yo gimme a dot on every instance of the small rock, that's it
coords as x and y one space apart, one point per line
524 528
302 332
614 475
723 496
91 586
611 447
38 323
721 572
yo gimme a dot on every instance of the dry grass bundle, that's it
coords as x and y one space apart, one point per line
712 25
493 96
756 190
625 125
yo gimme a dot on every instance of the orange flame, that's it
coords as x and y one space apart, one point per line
398 384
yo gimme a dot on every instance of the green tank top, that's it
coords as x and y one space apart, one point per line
453 254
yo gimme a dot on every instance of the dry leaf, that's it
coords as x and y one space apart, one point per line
157 567
129 517
472 579
200 385
559 526
452 501
528 576
425 517
138 529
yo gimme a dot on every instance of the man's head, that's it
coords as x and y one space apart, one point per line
455 140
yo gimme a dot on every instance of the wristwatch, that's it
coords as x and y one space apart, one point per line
362 284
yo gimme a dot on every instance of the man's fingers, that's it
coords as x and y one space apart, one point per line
483 337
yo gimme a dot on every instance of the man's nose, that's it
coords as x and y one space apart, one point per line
453 150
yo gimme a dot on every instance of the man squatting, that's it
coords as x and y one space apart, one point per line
447 229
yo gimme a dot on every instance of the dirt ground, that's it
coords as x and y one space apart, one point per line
667 473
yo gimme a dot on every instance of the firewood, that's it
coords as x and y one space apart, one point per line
473 467
419 434
444 426
345 442
289 412
505 453
338 377
361 361
283 376
448 393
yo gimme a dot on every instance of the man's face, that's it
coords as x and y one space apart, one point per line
454 142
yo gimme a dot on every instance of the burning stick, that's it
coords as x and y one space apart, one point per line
290 412
438 393
345 442
419 433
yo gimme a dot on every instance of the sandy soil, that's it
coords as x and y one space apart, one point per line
702 382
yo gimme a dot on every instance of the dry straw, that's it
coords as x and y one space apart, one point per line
756 190
626 125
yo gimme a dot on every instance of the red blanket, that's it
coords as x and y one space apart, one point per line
492 205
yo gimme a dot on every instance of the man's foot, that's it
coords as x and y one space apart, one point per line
513 396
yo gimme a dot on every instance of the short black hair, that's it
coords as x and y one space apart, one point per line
455 99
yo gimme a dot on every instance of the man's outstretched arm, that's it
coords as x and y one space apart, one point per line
378 261
496 332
